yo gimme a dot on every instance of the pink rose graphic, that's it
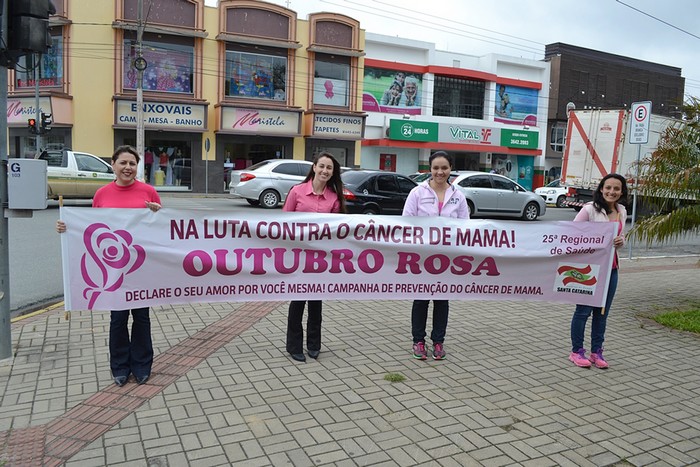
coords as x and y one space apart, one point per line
110 256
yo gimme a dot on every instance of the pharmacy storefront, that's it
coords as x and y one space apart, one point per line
509 152
172 142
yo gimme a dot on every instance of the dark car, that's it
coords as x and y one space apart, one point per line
375 192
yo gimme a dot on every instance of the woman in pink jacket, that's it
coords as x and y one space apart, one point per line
605 207
434 197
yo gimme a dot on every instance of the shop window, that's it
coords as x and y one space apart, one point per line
257 75
49 66
170 63
458 97
331 80
558 138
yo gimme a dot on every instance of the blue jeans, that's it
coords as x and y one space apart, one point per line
419 317
130 354
578 322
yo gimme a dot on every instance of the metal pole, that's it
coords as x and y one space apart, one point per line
139 96
36 97
206 173
634 196
5 334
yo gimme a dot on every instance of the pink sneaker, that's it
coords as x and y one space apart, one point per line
579 358
439 351
419 351
597 359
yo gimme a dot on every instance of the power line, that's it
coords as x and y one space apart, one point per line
657 19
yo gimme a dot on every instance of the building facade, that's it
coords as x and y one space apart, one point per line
489 112
223 88
589 79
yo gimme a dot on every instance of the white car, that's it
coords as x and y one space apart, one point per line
553 193
73 174
493 195
267 183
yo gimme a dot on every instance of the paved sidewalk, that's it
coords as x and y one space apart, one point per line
224 391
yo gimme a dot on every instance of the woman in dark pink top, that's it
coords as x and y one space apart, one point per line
321 191
127 354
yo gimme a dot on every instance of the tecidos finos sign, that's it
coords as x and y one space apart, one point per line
337 126
168 115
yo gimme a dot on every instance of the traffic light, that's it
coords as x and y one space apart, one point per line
28 26
32 126
46 121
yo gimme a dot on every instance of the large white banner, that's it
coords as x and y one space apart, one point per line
128 258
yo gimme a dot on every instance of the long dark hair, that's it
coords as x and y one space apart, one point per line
599 202
335 182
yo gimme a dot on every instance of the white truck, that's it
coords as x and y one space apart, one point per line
597 144
74 174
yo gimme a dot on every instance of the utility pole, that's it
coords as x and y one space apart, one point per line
5 322
140 65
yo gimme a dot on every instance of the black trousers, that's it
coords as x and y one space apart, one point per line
130 354
295 331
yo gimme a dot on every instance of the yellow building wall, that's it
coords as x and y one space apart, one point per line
92 62
210 78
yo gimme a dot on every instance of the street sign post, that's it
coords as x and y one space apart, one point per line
639 134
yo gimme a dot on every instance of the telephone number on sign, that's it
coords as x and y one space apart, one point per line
522 142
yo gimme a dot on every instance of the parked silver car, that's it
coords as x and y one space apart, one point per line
493 195
267 183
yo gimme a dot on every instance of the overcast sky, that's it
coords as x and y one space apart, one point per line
522 28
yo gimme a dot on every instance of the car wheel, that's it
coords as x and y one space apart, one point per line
531 212
470 205
253 202
560 201
269 199
370 211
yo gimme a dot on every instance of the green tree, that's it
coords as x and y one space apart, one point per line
672 175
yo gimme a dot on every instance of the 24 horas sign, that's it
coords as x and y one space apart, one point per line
128 258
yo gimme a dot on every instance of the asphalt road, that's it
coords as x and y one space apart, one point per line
35 252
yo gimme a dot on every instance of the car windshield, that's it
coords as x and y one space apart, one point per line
554 184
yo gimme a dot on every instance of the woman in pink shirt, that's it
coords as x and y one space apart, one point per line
127 354
321 191
605 207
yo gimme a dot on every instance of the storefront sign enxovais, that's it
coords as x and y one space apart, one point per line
162 115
